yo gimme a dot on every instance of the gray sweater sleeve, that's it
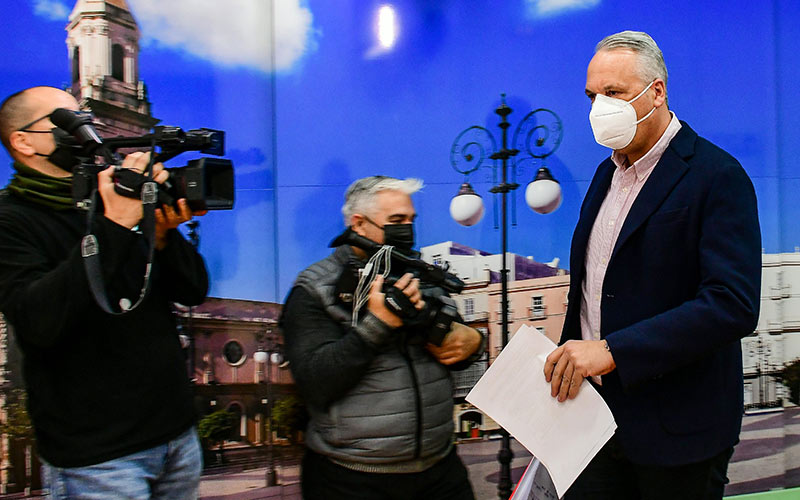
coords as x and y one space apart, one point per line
326 360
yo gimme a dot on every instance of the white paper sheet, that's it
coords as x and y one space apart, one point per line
563 436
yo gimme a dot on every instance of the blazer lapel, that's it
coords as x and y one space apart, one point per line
667 172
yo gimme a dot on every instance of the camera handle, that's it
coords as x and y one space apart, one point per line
130 183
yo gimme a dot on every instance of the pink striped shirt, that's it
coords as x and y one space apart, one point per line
626 184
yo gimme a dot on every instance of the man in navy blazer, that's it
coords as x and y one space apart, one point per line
665 281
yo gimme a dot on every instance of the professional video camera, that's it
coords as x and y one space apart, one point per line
437 317
206 183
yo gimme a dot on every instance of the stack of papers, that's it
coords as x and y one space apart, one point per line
563 436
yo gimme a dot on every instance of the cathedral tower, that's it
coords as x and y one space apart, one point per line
103 43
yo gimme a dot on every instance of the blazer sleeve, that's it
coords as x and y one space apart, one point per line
725 307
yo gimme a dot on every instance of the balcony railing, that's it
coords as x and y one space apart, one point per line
537 312
476 316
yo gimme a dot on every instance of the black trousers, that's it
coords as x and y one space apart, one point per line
322 479
611 476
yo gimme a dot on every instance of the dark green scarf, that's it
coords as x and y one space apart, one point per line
43 189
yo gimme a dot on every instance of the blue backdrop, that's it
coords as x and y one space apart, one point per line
340 105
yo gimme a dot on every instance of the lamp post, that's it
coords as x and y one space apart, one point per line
194 239
762 352
537 136
269 356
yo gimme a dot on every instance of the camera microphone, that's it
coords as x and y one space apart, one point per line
79 126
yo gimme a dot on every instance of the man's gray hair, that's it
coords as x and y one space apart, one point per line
651 60
360 196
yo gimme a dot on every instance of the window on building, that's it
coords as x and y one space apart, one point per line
233 352
469 307
237 434
437 260
117 62
76 64
537 306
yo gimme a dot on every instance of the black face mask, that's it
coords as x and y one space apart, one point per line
63 155
399 235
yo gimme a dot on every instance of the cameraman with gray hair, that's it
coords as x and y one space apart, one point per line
377 386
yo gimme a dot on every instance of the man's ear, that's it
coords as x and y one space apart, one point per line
661 93
357 222
20 142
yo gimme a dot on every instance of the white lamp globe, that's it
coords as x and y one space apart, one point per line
466 207
260 357
275 358
543 195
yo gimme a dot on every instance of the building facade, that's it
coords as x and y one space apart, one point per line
537 302
776 340
537 296
234 357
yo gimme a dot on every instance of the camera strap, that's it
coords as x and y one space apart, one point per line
379 263
90 248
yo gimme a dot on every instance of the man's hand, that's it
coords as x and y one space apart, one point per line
459 344
167 218
567 366
410 288
126 212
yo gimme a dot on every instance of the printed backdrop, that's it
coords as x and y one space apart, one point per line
359 90
351 88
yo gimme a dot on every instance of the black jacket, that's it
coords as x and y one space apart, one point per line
99 386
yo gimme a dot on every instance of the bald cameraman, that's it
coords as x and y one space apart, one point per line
377 388
108 394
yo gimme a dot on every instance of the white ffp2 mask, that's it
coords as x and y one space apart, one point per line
614 120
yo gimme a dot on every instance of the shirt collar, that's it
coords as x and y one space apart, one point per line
645 164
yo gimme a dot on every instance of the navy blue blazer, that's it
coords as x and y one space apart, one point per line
682 288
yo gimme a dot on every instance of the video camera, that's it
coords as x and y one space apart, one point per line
437 317
206 183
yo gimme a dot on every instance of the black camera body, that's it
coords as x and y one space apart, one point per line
434 320
206 183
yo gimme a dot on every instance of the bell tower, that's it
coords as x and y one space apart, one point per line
103 44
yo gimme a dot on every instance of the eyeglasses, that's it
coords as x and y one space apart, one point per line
85 115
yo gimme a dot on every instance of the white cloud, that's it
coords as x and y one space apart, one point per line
230 32
53 10
548 8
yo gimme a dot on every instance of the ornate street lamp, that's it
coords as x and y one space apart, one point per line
537 136
270 356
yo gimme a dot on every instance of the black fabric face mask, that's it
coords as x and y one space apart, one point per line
62 156
399 235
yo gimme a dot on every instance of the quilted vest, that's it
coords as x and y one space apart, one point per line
399 417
